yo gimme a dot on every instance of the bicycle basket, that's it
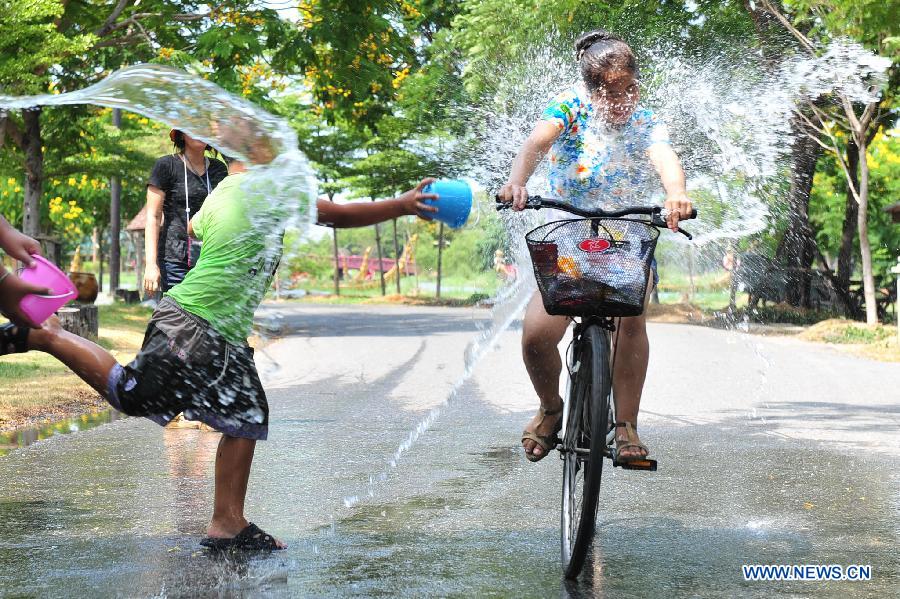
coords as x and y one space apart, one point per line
596 266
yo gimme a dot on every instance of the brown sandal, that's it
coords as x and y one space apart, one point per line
633 442
546 442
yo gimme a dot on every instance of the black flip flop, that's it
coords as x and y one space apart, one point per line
13 339
252 538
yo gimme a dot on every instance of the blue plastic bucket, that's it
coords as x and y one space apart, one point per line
454 201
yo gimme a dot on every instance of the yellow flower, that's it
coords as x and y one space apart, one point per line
72 181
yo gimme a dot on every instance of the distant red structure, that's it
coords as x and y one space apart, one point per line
354 262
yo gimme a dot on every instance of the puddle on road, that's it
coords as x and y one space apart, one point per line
24 437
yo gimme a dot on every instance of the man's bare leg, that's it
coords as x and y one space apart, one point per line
88 360
541 334
93 364
233 461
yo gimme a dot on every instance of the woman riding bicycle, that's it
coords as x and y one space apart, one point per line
602 144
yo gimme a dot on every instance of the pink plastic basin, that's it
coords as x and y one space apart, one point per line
44 273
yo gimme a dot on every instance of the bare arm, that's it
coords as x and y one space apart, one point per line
17 245
667 164
530 155
343 216
155 198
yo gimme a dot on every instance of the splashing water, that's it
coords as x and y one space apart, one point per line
729 119
279 173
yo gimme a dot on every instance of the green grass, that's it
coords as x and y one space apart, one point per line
125 316
452 288
708 301
858 334
17 367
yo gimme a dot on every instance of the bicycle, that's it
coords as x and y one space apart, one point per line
595 268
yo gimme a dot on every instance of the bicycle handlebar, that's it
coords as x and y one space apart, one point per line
657 214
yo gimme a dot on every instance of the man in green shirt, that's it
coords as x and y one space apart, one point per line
195 358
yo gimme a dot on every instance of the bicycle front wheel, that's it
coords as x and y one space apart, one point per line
584 447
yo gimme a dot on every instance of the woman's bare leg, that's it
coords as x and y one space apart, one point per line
632 354
541 334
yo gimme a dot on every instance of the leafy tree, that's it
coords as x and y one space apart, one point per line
829 197
814 23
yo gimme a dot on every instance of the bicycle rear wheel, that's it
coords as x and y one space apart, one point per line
584 447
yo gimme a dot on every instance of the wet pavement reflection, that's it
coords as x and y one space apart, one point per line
119 510
25 436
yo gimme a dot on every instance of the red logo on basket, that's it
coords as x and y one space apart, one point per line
594 245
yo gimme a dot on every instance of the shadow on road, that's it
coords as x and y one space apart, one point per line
366 323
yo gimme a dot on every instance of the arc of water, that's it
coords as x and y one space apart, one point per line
207 112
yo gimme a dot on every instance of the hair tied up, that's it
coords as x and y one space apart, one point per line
599 51
586 40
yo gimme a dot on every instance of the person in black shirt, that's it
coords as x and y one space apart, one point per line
176 189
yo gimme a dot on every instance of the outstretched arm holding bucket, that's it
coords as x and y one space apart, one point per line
363 214
12 288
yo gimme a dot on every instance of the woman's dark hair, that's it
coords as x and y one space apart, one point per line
599 51
177 137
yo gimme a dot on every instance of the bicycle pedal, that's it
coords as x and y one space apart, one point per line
647 464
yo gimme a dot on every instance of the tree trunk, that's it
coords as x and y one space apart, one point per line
34 172
100 262
115 219
440 253
337 264
691 289
796 250
851 208
95 244
82 320
732 279
864 249
397 254
380 261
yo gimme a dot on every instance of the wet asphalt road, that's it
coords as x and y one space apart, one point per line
771 451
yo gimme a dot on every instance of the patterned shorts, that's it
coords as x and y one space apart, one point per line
186 366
